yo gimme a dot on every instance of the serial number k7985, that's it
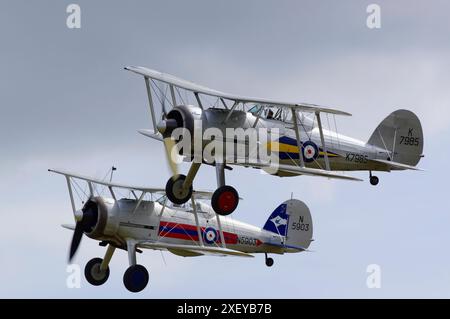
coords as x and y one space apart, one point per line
356 158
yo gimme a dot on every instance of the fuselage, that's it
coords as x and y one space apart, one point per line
152 222
344 153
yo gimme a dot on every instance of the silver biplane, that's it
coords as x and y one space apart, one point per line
145 219
303 146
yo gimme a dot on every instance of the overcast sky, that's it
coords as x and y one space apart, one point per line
66 102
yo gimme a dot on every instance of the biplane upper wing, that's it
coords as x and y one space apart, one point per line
200 89
197 194
202 250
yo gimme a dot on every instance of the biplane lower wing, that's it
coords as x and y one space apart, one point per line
294 170
193 249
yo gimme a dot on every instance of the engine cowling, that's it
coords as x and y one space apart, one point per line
182 116
107 222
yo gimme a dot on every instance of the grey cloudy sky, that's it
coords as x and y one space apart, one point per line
67 102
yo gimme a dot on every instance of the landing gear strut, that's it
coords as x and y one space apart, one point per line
269 261
373 179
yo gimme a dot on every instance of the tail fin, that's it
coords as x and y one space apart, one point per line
400 134
292 219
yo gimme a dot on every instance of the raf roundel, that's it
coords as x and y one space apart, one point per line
310 151
210 235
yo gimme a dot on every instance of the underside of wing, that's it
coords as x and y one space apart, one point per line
296 170
193 250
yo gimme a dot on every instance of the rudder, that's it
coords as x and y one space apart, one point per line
400 133
293 220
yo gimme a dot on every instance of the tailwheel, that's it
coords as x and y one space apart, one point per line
135 278
93 274
175 191
373 179
225 200
269 261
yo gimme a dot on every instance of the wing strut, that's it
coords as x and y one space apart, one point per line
150 103
222 237
297 135
172 93
200 105
231 111
322 140
138 203
72 202
199 231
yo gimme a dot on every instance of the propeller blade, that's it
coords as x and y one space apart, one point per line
76 239
169 144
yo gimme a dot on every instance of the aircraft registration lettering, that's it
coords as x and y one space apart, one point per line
244 240
300 225
357 158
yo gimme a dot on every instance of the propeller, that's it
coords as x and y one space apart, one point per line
169 144
86 220
166 127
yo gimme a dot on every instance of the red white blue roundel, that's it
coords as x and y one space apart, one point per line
310 151
210 235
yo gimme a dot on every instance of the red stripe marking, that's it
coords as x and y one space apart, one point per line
230 238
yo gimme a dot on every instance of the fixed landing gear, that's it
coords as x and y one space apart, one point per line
93 273
175 191
97 269
135 277
224 200
269 261
373 179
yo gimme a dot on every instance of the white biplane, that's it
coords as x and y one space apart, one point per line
303 146
145 219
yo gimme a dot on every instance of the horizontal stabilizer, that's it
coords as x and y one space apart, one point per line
67 226
397 165
151 134
299 248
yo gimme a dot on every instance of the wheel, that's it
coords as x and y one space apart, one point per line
225 200
175 192
269 262
374 180
93 274
135 278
